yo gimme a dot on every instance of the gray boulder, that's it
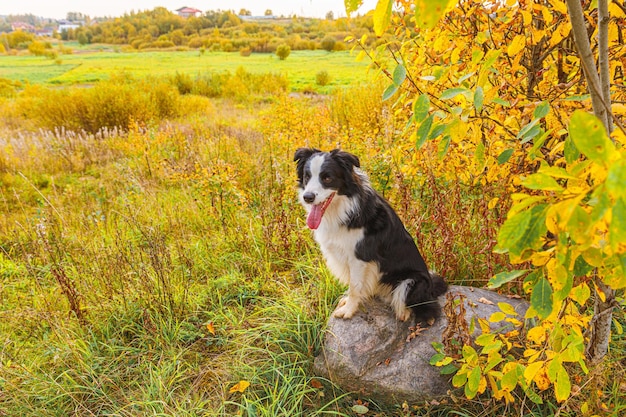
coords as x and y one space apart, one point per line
378 356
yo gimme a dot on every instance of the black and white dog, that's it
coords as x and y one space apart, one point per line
363 240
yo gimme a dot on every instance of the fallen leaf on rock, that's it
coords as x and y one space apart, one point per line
414 332
485 301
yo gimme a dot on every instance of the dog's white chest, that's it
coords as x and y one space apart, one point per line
339 247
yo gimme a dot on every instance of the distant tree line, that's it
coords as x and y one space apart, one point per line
221 31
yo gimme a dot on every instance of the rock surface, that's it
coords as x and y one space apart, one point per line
374 354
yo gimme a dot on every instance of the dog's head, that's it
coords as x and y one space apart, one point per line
321 176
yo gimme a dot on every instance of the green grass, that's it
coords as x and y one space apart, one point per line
300 67
146 272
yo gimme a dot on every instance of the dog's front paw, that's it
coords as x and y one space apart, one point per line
346 308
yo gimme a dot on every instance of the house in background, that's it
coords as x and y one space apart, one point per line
67 25
188 12
23 26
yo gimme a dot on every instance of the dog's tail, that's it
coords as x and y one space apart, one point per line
439 285
422 298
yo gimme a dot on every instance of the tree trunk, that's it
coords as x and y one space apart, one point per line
599 89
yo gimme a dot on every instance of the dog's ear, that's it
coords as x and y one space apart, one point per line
301 156
347 160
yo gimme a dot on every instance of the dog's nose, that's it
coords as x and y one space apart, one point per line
308 197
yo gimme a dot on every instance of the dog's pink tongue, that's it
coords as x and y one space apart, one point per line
315 216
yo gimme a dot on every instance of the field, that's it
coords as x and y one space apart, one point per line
83 67
154 259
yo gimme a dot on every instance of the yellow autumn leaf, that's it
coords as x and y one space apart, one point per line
240 386
559 6
531 370
536 335
547 15
492 203
211 328
518 43
540 376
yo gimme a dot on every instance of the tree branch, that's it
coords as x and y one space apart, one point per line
579 29
603 58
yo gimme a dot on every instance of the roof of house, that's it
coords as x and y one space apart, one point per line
188 10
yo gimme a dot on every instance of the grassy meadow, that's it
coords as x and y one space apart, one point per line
85 66
163 267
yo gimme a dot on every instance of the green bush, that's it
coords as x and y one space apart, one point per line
119 102
283 51
322 78
328 43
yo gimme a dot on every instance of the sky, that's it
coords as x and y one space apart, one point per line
58 9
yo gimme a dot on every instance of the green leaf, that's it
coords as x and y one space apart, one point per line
578 226
541 298
479 98
473 381
529 131
360 409
490 58
510 379
531 237
453 92
556 172
459 380
509 233
421 106
616 179
589 136
533 396
570 151
540 181
436 358
504 157
443 146
389 92
352 5
429 12
422 132
501 102
541 110
562 385
448 369
503 277
581 267
617 228
399 75
382 16
523 231
437 130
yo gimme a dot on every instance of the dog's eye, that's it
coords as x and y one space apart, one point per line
326 179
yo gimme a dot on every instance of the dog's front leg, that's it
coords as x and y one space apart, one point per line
363 281
347 306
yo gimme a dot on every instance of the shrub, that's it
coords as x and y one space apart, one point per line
328 43
322 78
245 51
183 82
118 102
8 88
283 51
